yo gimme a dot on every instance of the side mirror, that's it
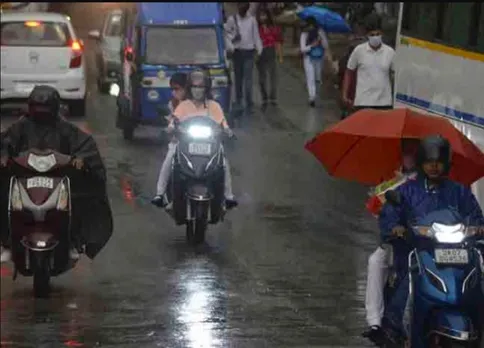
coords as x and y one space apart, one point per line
393 197
94 34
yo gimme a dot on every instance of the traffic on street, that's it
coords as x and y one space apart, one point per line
208 208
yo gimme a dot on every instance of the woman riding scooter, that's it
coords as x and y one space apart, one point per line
199 101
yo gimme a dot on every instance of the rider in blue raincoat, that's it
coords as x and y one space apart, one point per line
430 191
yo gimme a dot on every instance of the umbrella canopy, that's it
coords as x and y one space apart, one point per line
330 21
366 147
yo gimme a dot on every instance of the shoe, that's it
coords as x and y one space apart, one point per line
5 254
312 103
231 203
375 334
159 201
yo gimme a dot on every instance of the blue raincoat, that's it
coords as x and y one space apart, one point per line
418 201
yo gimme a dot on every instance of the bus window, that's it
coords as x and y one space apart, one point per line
420 20
480 35
457 24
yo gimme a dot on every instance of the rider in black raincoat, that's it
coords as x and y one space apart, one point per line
43 128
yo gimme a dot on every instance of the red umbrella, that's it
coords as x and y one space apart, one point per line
366 147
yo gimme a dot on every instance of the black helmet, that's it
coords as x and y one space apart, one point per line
199 75
44 104
435 148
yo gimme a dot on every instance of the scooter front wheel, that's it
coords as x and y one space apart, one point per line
41 274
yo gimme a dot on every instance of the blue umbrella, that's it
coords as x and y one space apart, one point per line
330 21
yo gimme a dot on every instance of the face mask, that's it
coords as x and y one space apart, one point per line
198 93
374 41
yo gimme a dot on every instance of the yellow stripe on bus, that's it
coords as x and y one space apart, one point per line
459 52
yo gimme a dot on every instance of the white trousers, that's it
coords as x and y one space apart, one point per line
313 70
378 268
165 172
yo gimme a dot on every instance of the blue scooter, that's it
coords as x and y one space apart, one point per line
445 277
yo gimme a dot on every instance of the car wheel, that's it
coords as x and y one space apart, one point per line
77 108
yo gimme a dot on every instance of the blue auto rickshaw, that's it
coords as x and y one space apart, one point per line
163 38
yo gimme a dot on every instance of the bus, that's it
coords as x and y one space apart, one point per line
440 65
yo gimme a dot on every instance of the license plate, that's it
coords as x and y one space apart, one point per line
452 256
200 149
41 182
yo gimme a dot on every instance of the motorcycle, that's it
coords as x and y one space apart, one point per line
39 211
445 280
196 187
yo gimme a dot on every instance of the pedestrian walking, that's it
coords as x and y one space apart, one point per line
243 32
271 37
314 47
371 64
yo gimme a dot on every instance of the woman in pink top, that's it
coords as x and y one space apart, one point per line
199 100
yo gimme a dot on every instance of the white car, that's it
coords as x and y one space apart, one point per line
42 49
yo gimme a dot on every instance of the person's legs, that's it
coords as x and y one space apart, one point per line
248 71
318 70
229 195
238 75
164 175
310 82
262 72
272 70
377 277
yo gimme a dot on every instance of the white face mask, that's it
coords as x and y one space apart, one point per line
374 41
198 93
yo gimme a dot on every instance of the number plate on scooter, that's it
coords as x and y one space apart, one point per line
451 256
40 181
200 149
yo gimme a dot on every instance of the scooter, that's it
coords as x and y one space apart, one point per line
197 181
39 211
445 282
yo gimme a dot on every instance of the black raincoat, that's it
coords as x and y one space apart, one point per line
91 210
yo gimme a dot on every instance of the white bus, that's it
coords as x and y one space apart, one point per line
440 65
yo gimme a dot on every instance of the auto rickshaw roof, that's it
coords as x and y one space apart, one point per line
179 13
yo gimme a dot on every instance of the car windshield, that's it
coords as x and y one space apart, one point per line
35 33
114 26
180 46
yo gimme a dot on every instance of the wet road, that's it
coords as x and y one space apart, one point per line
286 269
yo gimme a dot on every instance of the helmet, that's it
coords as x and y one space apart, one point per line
435 148
197 76
44 104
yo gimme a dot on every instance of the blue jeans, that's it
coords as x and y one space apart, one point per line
243 71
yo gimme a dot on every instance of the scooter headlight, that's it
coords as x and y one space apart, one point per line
15 197
200 132
448 233
114 89
63 198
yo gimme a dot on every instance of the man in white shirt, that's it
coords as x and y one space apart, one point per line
243 32
371 64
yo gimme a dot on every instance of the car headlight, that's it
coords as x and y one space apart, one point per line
448 233
200 132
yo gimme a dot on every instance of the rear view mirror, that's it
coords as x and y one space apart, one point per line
94 34
393 197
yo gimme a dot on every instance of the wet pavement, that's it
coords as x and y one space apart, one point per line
286 269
